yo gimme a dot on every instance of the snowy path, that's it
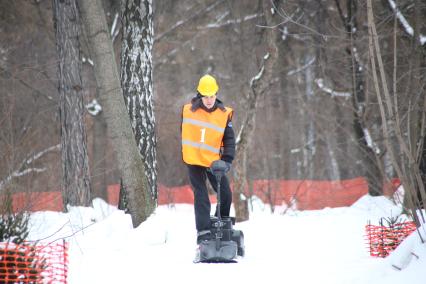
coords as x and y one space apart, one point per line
325 246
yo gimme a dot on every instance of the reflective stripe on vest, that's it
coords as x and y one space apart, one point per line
200 145
202 135
203 124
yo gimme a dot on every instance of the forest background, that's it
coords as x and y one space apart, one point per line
319 118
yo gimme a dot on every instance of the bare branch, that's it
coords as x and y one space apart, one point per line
188 19
22 170
289 18
7 75
292 72
405 24
232 22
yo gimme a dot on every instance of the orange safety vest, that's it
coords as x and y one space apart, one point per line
202 134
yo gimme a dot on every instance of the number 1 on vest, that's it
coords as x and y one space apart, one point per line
203 134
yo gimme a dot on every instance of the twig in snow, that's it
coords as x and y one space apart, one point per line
415 255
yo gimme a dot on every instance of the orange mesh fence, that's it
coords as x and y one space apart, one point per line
383 240
28 263
37 201
307 194
311 194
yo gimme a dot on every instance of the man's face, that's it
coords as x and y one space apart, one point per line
208 102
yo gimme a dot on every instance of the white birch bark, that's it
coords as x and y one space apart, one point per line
140 203
137 81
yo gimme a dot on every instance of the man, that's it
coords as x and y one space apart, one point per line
207 136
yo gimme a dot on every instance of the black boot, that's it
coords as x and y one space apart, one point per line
204 235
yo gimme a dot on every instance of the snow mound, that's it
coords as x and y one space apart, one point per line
379 206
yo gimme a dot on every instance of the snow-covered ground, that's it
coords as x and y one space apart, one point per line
323 246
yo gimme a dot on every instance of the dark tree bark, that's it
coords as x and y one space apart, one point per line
137 81
373 168
140 202
75 165
258 86
408 166
99 150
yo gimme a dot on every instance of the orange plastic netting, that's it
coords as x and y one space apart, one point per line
382 240
28 263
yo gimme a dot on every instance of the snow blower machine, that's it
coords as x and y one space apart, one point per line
225 244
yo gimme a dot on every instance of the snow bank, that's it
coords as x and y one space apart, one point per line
318 246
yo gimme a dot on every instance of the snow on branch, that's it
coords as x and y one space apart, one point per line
237 141
114 24
258 76
88 60
320 83
233 22
94 108
23 167
370 143
407 27
114 30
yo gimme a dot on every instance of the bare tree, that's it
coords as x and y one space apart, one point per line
408 165
258 86
76 189
140 201
137 81
369 151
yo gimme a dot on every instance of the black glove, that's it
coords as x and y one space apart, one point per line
219 167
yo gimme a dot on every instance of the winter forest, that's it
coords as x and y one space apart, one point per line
330 134
92 93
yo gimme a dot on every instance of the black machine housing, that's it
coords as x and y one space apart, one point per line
225 243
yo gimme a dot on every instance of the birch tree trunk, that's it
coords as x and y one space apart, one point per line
75 165
140 202
137 81
258 85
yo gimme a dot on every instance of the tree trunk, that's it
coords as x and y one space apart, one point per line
99 150
141 204
408 169
137 81
259 85
372 165
310 151
75 165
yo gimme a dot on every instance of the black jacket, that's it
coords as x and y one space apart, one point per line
228 151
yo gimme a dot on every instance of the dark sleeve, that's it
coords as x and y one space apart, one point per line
181 121
228 153
180 133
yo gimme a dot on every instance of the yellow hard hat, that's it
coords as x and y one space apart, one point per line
207 86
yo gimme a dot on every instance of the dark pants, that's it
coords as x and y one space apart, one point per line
197 178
